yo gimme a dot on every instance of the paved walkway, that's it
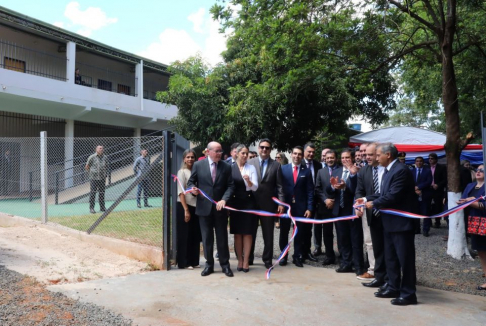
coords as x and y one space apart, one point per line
293 296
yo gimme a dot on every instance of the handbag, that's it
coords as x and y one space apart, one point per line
476 225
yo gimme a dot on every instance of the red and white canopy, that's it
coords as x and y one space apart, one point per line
416 142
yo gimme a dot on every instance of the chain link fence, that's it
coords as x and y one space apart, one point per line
109 186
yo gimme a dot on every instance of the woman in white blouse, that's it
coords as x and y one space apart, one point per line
188 230
243 224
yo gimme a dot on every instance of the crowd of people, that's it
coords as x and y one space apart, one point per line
357 182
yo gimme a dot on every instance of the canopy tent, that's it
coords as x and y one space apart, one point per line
416 142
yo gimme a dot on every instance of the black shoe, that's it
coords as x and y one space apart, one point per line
246 270
387 294
268 265
317 252
139 206
227 271
373 284
207 271
297 262
239 269
283 262
328 261
147 205
384 287
403 302
425 234
92 211
344 269
311 258
480 288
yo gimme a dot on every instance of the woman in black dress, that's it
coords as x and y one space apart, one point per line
472 191
188 230
243 224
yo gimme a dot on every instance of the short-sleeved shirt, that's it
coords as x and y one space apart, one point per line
98 166
183 176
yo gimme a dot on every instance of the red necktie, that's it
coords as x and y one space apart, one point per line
296 173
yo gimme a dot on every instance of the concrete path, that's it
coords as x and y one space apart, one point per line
293 296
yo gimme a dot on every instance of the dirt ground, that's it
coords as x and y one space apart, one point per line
53 258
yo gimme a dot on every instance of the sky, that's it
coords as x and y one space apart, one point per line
160 30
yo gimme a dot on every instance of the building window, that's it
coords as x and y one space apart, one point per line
104 84
14 64
124 89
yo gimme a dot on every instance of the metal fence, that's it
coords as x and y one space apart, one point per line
109 186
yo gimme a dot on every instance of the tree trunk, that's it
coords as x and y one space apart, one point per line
457 245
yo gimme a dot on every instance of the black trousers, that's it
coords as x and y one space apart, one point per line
188 238
378 241
216 222
283 238
350 243
400 263
97 186
324 233
268 227
304 230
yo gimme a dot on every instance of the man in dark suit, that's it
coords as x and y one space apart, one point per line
349 233
299 194
369 181
438 186
269 185
324 232
213 176
397 192
423 179
314 166
232 159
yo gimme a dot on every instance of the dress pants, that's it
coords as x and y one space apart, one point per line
350 243
97 186
324 233
424 209
217 222
188 238
400 263
303 240
378 241
368 244
268 227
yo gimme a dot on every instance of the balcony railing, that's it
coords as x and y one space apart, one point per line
34 62
105 79
150 90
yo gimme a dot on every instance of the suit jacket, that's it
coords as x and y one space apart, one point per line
440 179
397 192
349 192
222 189
270 186
323 180
424 182
466 177
316 166
365 187
302 190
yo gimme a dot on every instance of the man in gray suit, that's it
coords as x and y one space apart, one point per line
213 176
269 185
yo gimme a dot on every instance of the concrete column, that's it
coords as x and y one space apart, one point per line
68 154
137 142
139 82
71 61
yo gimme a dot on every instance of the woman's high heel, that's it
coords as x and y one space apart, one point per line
246 270
239 269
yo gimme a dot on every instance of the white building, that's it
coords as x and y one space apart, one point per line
114 93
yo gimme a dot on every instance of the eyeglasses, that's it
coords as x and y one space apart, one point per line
480 170
278 157
264 147
218 152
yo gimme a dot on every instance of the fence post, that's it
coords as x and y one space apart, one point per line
57 187
44 185
30 186
166 201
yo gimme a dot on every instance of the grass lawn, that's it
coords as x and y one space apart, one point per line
142 226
